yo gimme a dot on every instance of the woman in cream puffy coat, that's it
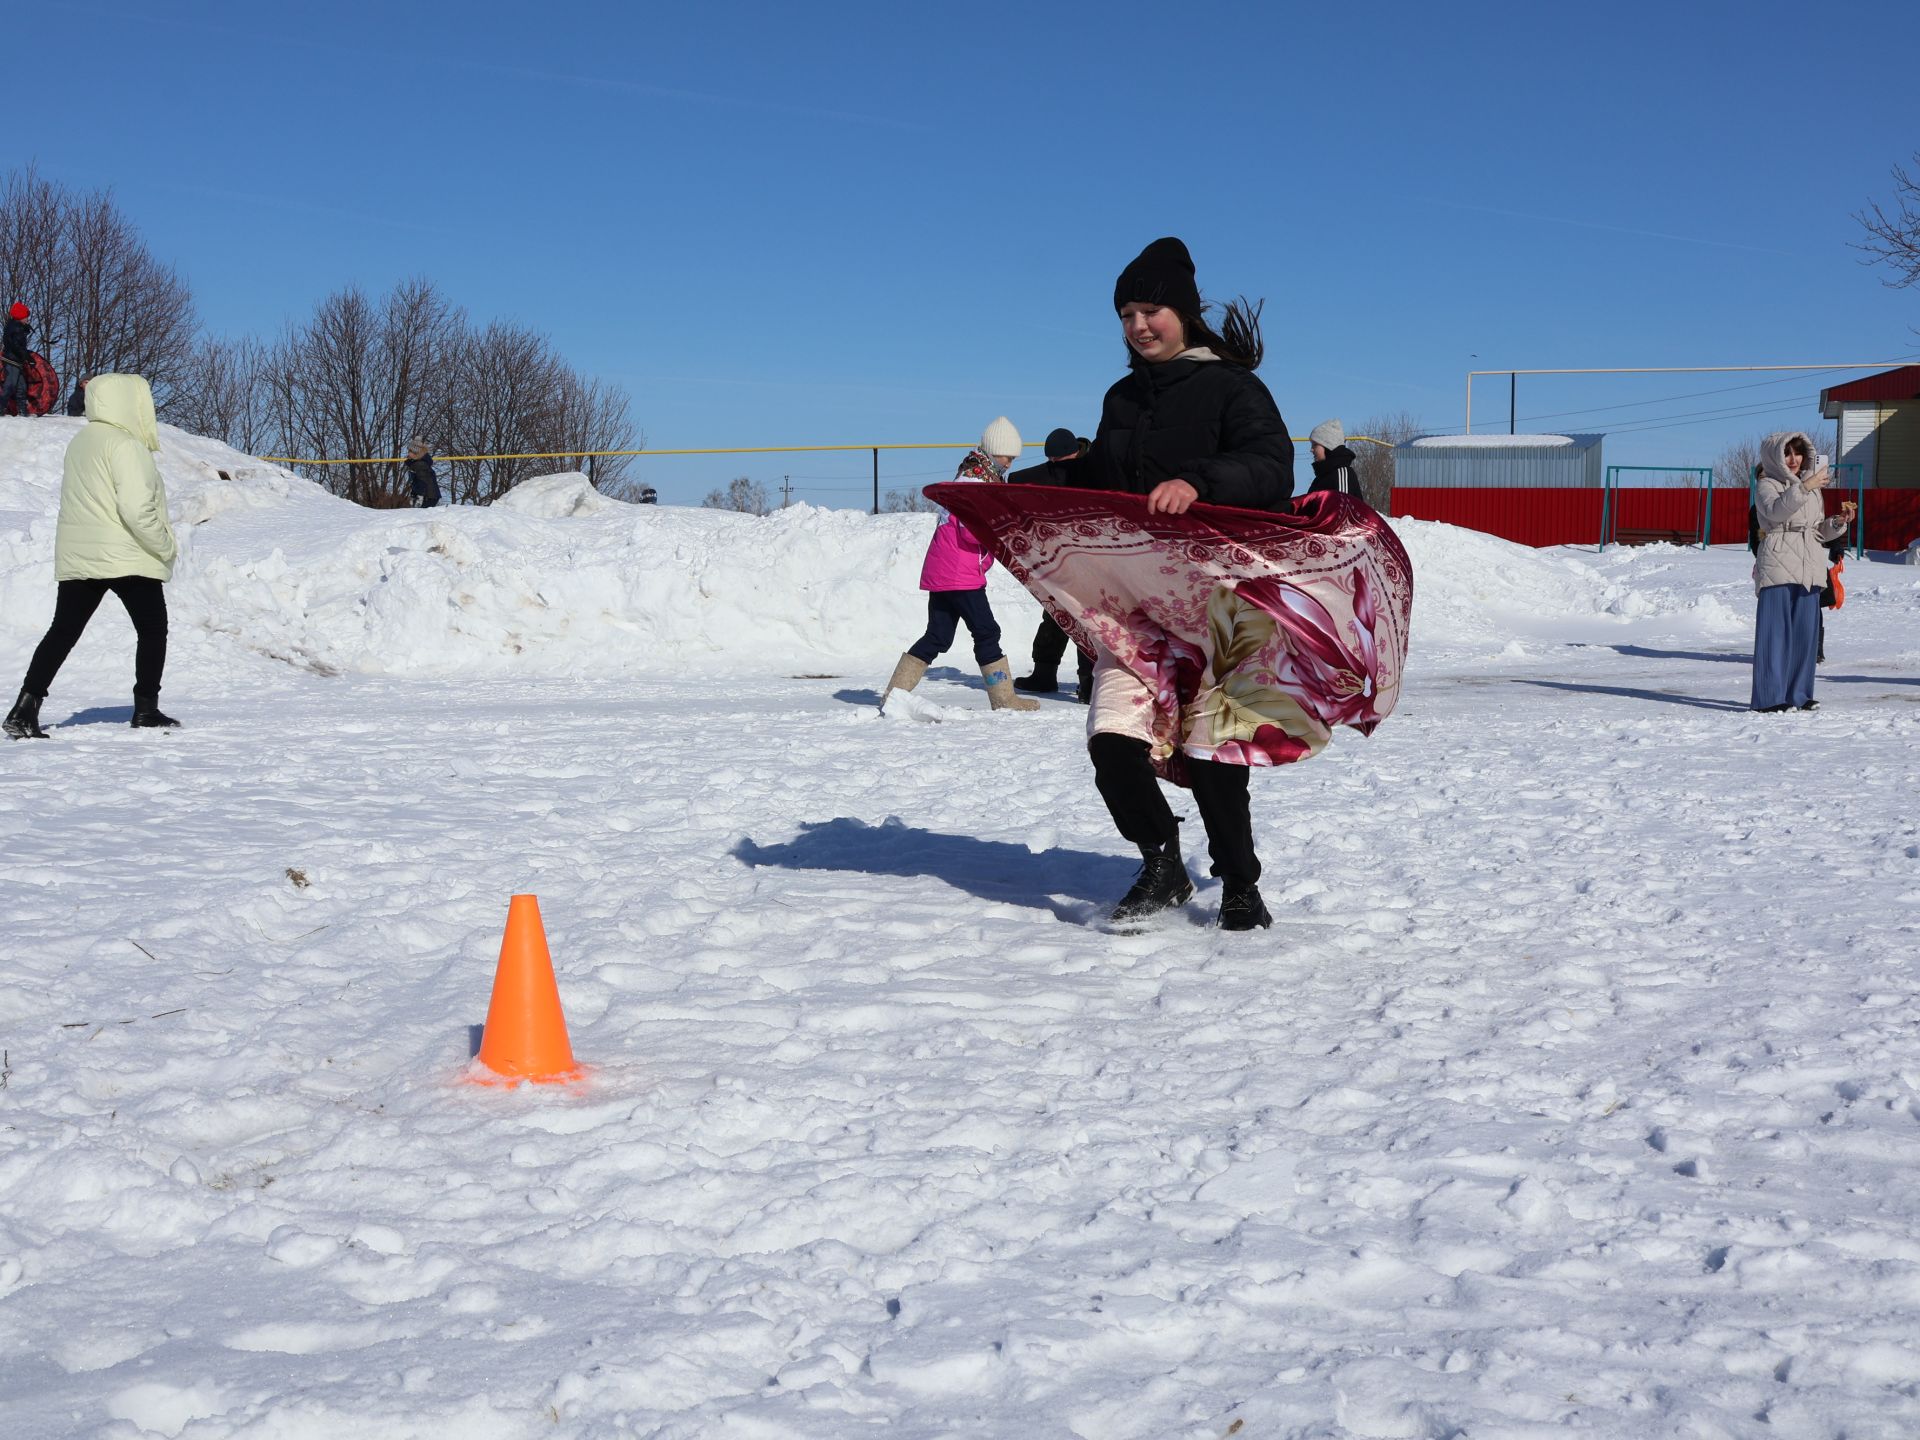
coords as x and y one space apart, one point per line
113 536
1789 570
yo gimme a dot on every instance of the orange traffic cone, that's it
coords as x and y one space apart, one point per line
526 1033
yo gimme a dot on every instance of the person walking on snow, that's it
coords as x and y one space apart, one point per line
1063 447
1790 569
1334 464
422 484
14 359
1189 421
954 576
77 402
113 536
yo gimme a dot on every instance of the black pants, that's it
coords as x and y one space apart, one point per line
1050 647
146 602
1127 783
13 389
945 610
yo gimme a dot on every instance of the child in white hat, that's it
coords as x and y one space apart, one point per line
955 579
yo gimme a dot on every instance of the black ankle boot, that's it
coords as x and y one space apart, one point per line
1241 908
1161 884
147 714
23 721
1041 682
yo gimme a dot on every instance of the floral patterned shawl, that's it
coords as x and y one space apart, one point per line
1255 632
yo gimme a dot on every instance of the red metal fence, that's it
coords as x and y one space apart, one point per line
1572 517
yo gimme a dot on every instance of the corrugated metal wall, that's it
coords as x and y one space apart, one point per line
1558 515
1500 467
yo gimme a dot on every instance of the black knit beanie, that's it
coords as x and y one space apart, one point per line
1161 274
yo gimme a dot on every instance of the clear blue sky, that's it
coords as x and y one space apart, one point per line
800 224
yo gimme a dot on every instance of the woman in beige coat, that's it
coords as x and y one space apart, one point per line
1789 570
113 536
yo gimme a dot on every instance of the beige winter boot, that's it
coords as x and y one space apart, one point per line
906 675
1000 687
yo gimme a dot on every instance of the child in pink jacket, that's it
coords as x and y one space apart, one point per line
955 579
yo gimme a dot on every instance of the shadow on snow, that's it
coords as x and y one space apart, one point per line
991 869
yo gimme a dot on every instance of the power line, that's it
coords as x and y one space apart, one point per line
1767 408
1668 399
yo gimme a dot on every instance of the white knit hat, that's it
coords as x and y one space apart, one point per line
1329 434
1000 438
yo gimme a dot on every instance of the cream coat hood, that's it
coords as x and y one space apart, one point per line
113 507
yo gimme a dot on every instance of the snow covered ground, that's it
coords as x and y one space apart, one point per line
1575 1090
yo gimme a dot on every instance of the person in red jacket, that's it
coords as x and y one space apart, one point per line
14 359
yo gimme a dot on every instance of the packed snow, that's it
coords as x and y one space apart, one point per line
1492 441
1574 1091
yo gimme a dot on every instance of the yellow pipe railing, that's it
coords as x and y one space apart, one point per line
734 450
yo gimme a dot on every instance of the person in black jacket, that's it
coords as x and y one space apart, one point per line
422 484
1190 421
1334 466
1063 448
77 402
14 359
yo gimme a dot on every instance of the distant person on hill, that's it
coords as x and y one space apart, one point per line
15 356
1335 467
422 484
954 575
77 402
113 536
1063 448
1790 569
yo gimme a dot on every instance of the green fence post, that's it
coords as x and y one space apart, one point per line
1706 531
1606 500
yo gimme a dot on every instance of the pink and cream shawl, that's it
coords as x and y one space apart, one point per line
1255 632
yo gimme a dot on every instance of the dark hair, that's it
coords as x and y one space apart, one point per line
1237 340
1798 445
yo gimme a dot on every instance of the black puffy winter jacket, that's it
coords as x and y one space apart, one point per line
1209 422
1339 471
13 340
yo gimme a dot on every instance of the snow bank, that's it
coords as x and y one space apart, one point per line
558 579
1491 441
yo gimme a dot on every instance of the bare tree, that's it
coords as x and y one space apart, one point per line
1894 239
1739 460
748 496
101 301
906 502
229 398
1374 462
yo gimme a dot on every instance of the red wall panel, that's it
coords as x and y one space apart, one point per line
1572 517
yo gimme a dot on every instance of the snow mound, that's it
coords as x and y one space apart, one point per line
556 497
558 579
1490 441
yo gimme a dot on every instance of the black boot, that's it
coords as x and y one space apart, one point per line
1241 908
147 714
1041 682
1161 884
23 721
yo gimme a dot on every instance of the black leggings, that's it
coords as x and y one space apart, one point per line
1127 783
146 602
945 610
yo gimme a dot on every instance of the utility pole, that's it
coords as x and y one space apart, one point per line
786 491
1513 398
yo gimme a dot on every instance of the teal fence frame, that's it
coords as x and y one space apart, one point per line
1858 544
1610 515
